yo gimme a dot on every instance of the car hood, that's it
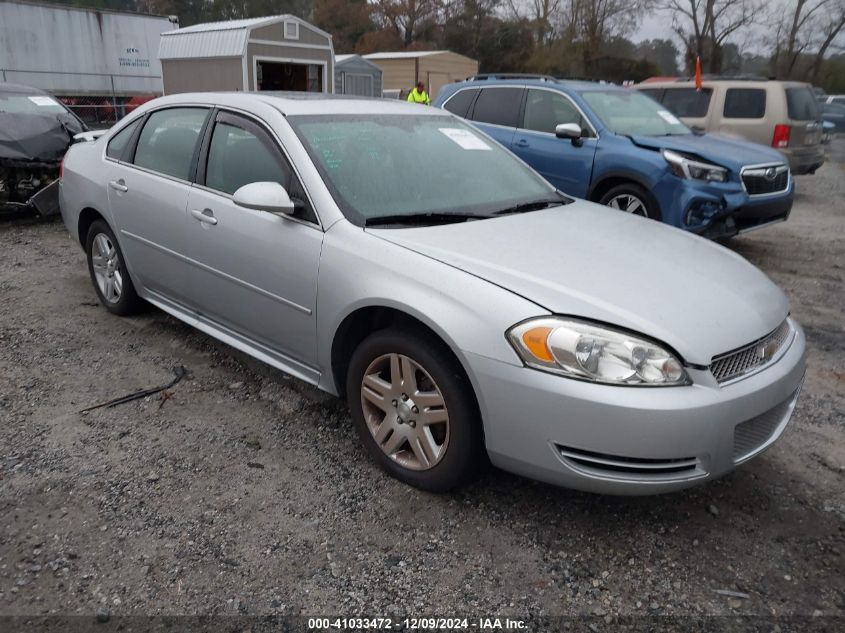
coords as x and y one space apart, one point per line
35 137
593 262
721 150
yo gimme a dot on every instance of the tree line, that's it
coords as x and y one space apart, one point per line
591 39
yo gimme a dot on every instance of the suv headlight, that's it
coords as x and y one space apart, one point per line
685 167
583 350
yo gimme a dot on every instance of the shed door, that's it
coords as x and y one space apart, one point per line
358 84
285 75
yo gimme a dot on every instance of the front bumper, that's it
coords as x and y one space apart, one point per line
718 210
632 440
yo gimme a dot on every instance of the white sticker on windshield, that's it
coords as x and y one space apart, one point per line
669 117
42 101
465 138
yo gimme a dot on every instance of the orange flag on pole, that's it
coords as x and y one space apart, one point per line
698 72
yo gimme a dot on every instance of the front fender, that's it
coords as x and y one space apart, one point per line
359 270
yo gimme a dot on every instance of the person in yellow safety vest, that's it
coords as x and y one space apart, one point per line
419 95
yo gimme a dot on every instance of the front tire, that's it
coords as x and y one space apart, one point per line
414 410
632 198
107 268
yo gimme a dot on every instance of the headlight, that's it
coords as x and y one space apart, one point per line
685 167
579 349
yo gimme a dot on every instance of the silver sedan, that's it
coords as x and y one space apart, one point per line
393 256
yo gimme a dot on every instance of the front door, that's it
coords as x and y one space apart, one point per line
566 165
254 273
148 196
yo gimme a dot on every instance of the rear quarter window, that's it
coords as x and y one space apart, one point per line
499 106
688 102
117 145
801 104
460 102
745 103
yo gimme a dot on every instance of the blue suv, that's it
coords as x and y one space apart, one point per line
618 147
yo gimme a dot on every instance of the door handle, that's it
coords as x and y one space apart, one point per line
119 185
521 143
206 215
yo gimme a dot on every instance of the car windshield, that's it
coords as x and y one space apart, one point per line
29 104
390 166
631 113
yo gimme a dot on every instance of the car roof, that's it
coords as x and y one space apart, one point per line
11 88
300 103
564 85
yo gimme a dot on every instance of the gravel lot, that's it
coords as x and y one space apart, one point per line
246 492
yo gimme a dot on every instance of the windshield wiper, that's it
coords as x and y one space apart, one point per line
422 219
534 205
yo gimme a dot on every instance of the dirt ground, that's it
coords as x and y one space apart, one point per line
247 492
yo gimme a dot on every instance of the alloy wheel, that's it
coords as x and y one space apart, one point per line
107 269
405 411
629 204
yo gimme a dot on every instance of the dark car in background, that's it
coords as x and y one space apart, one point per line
35 131
616 146
833 112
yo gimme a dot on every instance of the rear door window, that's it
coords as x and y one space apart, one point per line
801 104
168 141
499 106
745 103
688 102
545 110
460 102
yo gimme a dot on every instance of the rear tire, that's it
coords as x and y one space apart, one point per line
109 275
632 198
414 410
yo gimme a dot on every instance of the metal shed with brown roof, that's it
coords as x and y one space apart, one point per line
402 70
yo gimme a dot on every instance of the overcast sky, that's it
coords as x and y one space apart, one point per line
658 25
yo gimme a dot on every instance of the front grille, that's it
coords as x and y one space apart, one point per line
751 357
754 434
638 466
760 181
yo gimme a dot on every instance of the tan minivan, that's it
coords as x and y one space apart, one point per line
782 114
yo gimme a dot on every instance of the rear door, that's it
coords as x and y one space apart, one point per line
254 273
496 111
148 195
566 165
744 115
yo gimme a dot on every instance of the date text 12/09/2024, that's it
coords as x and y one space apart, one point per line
411 624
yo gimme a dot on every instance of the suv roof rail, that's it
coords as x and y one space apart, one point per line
485 76
728 78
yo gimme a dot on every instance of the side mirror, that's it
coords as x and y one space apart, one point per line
571 131
264 196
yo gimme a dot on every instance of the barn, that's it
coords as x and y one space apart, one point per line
404 69
354 75
281 52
